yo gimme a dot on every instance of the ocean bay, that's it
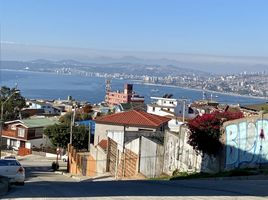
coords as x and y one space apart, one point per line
41 85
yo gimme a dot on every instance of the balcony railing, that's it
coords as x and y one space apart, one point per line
9 133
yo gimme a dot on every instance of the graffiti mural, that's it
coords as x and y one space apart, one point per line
247 143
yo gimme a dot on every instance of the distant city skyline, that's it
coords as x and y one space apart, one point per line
204 32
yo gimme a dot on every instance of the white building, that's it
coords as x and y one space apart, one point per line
46 107
170 107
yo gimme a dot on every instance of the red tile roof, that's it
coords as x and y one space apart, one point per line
103 144
134 118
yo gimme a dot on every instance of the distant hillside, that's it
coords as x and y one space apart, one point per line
114 67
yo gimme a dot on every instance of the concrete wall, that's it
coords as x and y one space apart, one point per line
181 156
148 158
151 158
178 154
101 131
80 163
246 142
99 158
133 146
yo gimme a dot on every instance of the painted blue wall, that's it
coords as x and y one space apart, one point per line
245 145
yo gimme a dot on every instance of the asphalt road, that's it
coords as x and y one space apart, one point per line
42 183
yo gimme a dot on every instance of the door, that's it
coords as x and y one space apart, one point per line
22 144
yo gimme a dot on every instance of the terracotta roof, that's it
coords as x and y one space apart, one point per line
134 118
103 144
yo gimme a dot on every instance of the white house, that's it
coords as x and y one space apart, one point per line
46 107
119 136
170 107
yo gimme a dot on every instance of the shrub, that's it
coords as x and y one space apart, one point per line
55 166
205 131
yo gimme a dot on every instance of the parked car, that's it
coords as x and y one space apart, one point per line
10 157
64 158
12 169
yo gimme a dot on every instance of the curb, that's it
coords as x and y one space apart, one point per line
69 175
79 178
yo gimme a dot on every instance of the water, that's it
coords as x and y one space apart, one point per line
35 85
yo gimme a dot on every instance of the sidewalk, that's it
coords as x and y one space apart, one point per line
80 178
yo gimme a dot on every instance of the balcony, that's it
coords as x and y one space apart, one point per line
9 133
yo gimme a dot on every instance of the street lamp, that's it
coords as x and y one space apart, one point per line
1 118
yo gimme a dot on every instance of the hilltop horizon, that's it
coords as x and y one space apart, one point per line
216 64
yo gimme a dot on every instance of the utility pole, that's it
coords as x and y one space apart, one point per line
89 137
183 108
72 124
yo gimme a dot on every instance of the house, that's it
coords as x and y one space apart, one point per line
26 133
165 106
205 106
122 107
127 96
175 109
118 137
43 107
69 104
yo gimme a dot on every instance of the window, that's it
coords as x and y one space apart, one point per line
153 108
144 129
21 132
13 127
13 143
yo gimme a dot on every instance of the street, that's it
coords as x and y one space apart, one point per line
42 183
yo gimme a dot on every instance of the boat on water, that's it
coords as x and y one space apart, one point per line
154 90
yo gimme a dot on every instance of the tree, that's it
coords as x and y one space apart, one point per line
59 135
13 105
66 119
205 131
87 108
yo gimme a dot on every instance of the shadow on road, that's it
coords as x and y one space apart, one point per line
140 188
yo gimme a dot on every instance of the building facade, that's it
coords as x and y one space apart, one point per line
118 137
127 96
26 133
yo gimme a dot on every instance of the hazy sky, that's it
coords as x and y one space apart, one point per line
215 27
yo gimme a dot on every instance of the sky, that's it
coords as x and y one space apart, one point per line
199 27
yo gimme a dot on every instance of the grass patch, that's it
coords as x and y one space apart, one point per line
163 177
232 173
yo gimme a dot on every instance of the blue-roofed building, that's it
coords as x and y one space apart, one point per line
87 123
